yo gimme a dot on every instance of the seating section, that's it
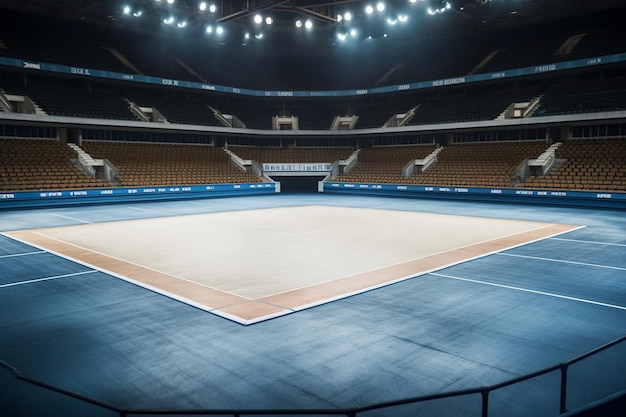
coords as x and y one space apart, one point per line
385 164
12 86
605 40
166 66
466 109
527 52
36 164
590 165
583 98
253 116
74 102
293 155
584 165
52 48
145 164
479 164
66 98
603 35
374 116
318 115
180 111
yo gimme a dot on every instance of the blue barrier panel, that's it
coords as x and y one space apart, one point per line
509 195
24 199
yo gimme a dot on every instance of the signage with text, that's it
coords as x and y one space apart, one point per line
138 78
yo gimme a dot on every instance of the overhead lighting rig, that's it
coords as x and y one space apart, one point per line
340 19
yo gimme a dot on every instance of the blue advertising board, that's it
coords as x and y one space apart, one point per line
144 79
613 200
24 199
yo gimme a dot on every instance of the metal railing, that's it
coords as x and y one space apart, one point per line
348 412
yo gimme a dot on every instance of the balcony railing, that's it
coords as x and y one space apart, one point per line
484 393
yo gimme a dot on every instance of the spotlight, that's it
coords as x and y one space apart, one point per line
269 20
342 36
308 24
138 13
369 9
353 33
246 36
182 24
391 21
209 29
126 10
170 1
212 8
219 30
202 6
339 18
298 23
380 6
258 19
441 7
259 36
169 20
403 18
347 16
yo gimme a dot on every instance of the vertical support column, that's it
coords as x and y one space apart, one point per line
563 402
566 133
62 135
485 407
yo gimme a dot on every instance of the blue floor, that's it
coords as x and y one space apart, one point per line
470 325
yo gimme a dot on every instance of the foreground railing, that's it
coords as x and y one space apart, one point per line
349 412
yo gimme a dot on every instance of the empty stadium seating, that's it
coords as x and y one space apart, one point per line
175 110
144 164
466 109
583 97
30 164
68 101
52 47
372 116
479 164
597 165
318 115
587 165
385 164
253 117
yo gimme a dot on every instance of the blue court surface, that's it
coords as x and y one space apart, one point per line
471 325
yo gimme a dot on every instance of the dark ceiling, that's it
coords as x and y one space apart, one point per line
462 18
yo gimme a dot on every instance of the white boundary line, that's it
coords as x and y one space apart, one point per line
154 211
239 320
30 281
565 297
419 273
71 218
106 271
157 290
22 254
562 261
589 241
